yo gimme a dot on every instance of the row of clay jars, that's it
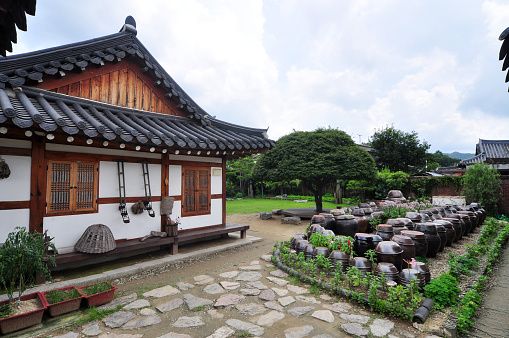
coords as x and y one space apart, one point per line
364 242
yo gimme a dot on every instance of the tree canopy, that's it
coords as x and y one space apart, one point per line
443 159
317 158
482 184
399 151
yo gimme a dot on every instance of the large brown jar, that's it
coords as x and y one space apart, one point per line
442 233
385 231
406 244
362 243
406 275
361 220
415 217
389 270
312 229
295 239
451 233
424 270
361 263
390 252
345 225
461 219
301 245
421 245
321 250
432 237
367 213
473 218
309 251
407 222
456 224
318 219
397 225
340 256
329 219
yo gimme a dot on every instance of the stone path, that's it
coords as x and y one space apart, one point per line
255 300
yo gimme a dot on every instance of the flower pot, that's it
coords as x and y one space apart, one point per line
98 298
23 320
69 305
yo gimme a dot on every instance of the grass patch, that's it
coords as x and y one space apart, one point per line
315 290
57 296
199 308
93 314
245 334
96 288
253 205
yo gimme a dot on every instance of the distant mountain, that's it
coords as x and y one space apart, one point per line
461 156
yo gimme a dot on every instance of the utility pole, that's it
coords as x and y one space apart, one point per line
360 138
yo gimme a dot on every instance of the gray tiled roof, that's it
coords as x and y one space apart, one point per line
36 109
481 158
30 108
495 150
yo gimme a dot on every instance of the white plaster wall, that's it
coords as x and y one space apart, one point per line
5 142
16 187
175 180
108 179
67 230
100 151
216 182
10 219
195 158
193 222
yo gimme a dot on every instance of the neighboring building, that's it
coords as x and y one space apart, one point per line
492 152
78 120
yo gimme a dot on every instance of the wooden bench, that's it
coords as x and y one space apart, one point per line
135 247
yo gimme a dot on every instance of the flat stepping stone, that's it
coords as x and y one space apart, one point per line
265 215
203 280
355 329
338 307
280 292
222 332
297 289
229 274
185 286
285 301
251 309
118 301
324 315
249 276
355 318
266 258
120 335
300 311
137 304
250 268
142 322
91 329
298 332
310 299
195 302
117 319
175 335
325 297
325 335
68 335
255 263
214 289
147 312
381 327
274 306
267 295
279 273
278 281
171 305
244 326
250 292
215 314
269 319
164 291
188 322
230 285
228 300
257 285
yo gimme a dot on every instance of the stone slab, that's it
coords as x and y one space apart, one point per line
355 329
228 300
117 319
137 304
324 315
144 321
251 309
164 291
300 311
185 321
269 319
299 332
244 326
171 305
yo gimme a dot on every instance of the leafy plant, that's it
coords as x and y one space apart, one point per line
443 290
57 296
5 311
22 259
96 288
482 184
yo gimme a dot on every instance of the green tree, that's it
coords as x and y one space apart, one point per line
239 174
387 181
397 150
482 184
317 158
442 159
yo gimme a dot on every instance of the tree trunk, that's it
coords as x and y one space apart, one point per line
318 201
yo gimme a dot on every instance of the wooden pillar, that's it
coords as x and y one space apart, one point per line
223 193
165 183
37 184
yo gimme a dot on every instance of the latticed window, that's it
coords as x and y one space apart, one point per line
72 187
196 191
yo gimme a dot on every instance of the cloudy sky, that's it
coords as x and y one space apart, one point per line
429 66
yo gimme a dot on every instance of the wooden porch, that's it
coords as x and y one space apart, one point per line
135 247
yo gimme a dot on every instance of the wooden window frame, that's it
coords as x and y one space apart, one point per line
73 188
196 192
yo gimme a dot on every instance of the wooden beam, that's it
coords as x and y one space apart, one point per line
10 205
165 183
37 184
15 151
224 190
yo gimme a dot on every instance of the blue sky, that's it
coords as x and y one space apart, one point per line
425 66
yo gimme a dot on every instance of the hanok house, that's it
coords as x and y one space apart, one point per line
89 129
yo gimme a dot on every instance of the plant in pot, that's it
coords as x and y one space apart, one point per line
63 300
22 259
99 293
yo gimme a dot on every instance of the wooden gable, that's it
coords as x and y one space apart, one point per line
123 84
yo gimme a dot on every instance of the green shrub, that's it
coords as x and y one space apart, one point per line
443 290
